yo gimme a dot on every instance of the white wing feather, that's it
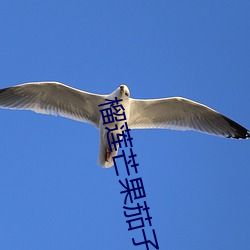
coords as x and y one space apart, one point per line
53 98
182 114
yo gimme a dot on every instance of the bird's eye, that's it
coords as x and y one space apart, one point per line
126 93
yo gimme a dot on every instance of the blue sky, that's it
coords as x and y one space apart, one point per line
53 194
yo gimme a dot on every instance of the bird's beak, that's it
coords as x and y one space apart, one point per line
122 88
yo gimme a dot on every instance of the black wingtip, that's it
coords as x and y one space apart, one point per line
248 134
3 90
239 131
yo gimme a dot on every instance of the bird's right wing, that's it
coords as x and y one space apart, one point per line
53 98
182 114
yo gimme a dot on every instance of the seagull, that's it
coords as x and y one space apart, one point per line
175 113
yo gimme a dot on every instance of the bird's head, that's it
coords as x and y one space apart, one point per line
124 91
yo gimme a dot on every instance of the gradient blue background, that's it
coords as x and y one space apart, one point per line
53 195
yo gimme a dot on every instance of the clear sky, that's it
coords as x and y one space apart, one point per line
53 195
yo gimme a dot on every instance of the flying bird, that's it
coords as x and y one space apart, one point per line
175 113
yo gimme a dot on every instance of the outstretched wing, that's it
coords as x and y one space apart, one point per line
182 114
55 99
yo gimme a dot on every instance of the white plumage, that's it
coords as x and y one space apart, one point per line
168 113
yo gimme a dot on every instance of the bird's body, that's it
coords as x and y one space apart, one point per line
167 113
105 155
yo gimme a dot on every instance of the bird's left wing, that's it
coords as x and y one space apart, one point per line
53 98
182 114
